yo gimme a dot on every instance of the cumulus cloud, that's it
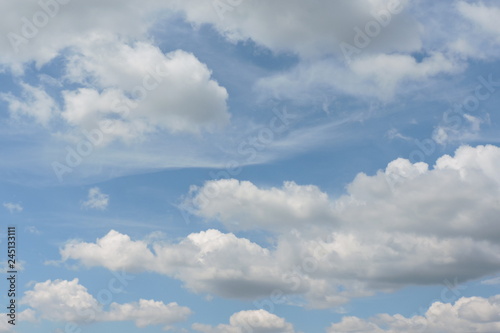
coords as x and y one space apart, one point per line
367 240
128 91
137 89
468 314
439 199
243 206
69 301
256 321
62 300
96 199
13 207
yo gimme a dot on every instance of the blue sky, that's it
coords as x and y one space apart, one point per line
251 166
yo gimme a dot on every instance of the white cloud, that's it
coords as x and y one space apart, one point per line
13 207
32 230
34 103
468 314
374 75
468 129
243 206
493 281
208 261
309 29
436 197
96 199
37 32
69 301
62 300
5 327
367 240
485 17
476 35
147 313
256 321
137 89
115 251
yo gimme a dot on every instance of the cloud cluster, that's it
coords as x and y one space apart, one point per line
468 314
69 301
127 91
369 239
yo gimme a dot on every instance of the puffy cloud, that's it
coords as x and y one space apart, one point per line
13 207
208 261
468 314
128 91
69 301
115 251
243 206
128 88
96 199
256 321
370 239
62 300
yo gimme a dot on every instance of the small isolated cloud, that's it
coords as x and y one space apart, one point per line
96 199
493 281
32 230
369 239
69 301
256 321
13 207
468 314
